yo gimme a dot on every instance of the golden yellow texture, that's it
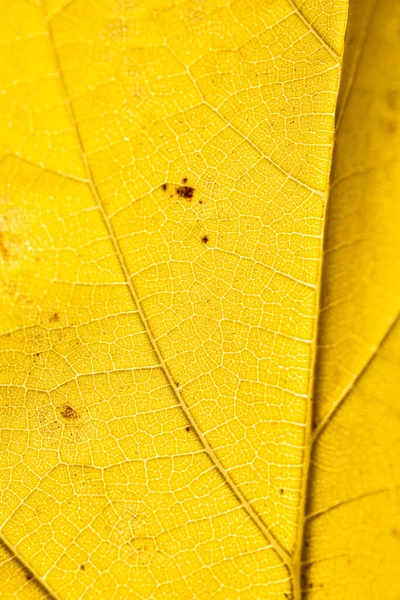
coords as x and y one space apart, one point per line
352 535
164 180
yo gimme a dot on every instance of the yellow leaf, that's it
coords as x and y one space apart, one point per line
170 427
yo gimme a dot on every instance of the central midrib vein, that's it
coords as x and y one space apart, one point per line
242 500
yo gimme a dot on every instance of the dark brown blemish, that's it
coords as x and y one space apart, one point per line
200 201
184 180
29 576
164 186
185 191
82 567
188 428
69 413
54 318
281 491
205 239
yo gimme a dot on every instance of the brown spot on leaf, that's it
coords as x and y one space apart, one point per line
184 180
205 239
3 248
395 533
69 413
187 428
82 567
185 191
29 576
164 186
281 491
54 318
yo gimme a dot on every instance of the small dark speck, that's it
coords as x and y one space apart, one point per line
29 576
307 544
187 428
54 318
281 491
82 567
185 191
164 186
205 239
184 180
200 201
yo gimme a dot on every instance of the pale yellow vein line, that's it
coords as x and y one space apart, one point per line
242 136
46 587
312 29
42 167
297 587
242 500
328 417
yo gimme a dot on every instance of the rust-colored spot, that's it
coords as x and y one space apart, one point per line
54 318
185 191
3 249
395 533
200 201
29 576
205 239
69 413
188 428
82 567
164 186
184 180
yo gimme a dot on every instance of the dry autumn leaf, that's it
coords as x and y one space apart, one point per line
199 336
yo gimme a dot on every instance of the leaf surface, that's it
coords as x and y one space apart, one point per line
169 428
